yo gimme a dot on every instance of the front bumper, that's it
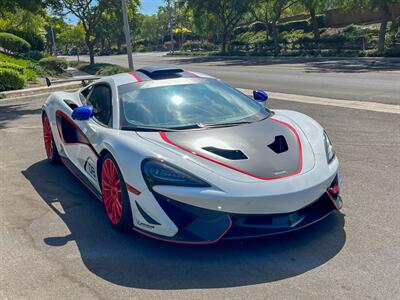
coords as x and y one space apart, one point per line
203 226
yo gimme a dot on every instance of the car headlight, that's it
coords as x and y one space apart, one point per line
330 153
156 172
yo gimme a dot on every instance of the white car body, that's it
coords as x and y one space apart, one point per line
231 191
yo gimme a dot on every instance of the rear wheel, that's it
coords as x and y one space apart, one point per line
49 144
115 195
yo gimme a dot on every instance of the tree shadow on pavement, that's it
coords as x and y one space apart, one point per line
11 112
309 64
130 260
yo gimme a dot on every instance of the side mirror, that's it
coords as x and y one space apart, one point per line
82 113
260 95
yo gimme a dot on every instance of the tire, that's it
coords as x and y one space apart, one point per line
49 144
115 195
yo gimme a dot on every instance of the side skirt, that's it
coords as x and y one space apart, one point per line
81 177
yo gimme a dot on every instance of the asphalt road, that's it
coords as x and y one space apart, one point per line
364 79
56 241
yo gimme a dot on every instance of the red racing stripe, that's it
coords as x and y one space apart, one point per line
136 76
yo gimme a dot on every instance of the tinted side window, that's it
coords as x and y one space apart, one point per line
100 99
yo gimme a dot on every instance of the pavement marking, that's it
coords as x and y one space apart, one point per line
392 72
363 105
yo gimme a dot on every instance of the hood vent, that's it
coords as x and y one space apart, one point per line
225 153
279 145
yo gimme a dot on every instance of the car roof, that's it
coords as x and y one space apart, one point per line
155 73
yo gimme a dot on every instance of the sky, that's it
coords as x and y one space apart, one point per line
149 7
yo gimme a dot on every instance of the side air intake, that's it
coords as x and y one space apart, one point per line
279 145
226 153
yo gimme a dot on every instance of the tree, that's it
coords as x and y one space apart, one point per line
89 14
311 6
73 36
269 12
26 25
384 7
228 12
109 30
12 5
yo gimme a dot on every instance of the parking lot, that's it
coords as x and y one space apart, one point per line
56 240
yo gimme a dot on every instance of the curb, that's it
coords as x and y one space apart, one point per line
39 90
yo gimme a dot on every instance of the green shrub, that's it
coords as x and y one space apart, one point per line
13 44
34 55
257 26
240 29
305 25
11 66
295 25
77 64
198 46
392 52
103 69
35 39
55 64
11 80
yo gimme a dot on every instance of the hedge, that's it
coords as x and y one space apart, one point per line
13 44
11 66
54 64
34 55
103 69
198 46
34 39
11 80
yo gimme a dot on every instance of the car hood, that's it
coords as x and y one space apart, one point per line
268 149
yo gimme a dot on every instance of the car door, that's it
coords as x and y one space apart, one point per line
81 150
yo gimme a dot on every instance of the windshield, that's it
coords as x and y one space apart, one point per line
190 103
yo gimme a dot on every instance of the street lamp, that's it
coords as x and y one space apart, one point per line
127 34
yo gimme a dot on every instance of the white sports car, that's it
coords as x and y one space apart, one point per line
183 157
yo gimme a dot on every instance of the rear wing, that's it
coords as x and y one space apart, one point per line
84 79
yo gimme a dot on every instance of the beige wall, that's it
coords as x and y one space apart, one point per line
339 17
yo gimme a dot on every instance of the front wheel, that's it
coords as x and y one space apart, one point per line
49 144
115 195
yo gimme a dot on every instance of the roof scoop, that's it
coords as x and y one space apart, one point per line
161 72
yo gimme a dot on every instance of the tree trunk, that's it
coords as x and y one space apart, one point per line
91 53
382 29
276 38
315 25
90 46
395 22
224 40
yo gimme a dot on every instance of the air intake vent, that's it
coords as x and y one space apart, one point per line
161 72
225 153
279 145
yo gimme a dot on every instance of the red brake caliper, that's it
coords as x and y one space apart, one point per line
111 189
